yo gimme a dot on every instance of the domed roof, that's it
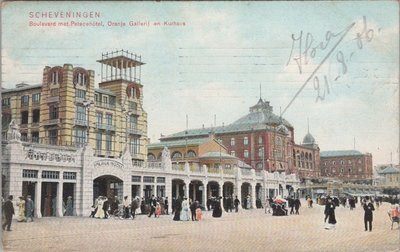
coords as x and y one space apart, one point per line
308 139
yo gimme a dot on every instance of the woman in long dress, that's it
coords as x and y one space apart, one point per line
178 208
330 211
185 210
248 202
21 209
100 212
217 211
69 209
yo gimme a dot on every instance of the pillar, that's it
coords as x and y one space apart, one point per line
239 193
186 191
168 192
205 194
38 199
253 195
221 188
59 202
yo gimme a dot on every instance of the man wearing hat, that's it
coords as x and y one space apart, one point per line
29 208
8 209
368 208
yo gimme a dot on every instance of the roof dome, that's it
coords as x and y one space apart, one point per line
308 139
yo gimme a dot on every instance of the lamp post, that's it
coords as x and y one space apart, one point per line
87 105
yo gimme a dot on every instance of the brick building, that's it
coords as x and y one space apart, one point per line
263 140
347 165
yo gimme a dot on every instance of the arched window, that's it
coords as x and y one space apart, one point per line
55 75
132 91
151 157
176 155
81 77
191 154
259 166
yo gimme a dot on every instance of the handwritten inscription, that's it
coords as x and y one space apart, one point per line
305 50
49 156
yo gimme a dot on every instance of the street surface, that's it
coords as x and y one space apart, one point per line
248 230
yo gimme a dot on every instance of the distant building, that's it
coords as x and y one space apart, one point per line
347 165
264 141
390 182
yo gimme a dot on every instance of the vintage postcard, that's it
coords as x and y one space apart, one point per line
200 126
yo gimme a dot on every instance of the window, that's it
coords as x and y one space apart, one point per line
341 162
349 161
109 119
133 120
69 175
55 77
334 162
132 106
261 152
24 136
112 100
80 136
260 140
6 119
216 165
80 78
333 170
36 98
24 117
350 170
176 155
35 137
53 112
134 145
161 180
5 102
80 113
99 118
245 140
53 135
132 92
151 157
24 100
36 116
108 142
246 153
105 99
99 139
359 161
79 93
29 173
233 153
228 166
50 174
232 141
259 166
54 92
147 179
96 97
191 154
136 178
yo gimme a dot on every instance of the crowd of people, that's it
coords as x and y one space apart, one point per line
184 209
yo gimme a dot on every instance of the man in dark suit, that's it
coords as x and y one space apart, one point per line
166 205
368 208
8 209
153 204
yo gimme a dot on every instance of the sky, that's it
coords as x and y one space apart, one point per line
334 64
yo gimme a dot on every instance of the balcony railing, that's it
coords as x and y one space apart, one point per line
134 131
154 165
228 171
213 170
196 168
105 126
105 105
80 122
178 167
51 122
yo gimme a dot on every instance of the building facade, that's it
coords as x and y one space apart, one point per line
67 137
351 166
264 141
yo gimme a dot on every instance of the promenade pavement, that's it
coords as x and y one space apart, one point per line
248 230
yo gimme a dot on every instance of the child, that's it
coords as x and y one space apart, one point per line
93 211
199 214
158 210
